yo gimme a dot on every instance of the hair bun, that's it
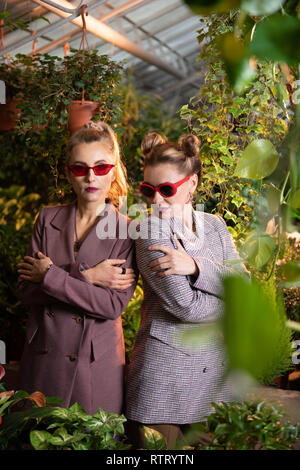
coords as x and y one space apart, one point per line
98 125
190 145
151 140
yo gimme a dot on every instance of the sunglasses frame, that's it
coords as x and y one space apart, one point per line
87 168
174 186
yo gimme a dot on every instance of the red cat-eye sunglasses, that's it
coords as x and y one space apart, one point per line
82 170
164 189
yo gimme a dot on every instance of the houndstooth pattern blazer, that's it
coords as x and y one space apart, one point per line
170 381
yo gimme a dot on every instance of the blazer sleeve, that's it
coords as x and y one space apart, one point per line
211 270
98 302
30 293
174 292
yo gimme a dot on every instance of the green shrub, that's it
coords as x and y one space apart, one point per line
245 426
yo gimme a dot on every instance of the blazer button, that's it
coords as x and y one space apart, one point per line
79 320
72 357
204 370
43 351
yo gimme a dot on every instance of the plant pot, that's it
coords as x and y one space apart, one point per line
282 381
9 115
80 112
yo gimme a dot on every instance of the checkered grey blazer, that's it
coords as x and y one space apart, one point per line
170 381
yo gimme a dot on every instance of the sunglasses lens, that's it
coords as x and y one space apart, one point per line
102 169
78 170
166 190
146 190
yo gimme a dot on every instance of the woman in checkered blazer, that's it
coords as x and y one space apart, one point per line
180 254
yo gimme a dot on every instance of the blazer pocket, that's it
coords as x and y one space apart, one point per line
168 334
102 344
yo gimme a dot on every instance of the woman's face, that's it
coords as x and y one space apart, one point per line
168 173
91 188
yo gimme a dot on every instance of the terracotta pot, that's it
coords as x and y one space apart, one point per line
80 112
9 115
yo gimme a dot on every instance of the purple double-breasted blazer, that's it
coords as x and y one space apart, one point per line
74 346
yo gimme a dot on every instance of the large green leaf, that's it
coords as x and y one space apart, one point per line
237 64
294 200
291 274
252 329
273 198
259 248
277 39
258 160
207 7
15 421
261 7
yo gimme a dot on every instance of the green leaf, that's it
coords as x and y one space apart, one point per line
61 413
277 38
53 400
236 61
281 94
18 419
206 7
258 160
252 326
154 439
261 7
39 439
291 274
259 248
294 199
222 429
273 198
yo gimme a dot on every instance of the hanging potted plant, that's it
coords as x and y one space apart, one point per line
11 75
89 81
23 78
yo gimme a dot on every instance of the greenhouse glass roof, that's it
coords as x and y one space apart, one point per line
158 38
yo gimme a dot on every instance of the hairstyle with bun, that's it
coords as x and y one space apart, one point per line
101 132
184 153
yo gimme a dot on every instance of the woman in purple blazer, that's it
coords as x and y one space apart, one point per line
78 276
181 256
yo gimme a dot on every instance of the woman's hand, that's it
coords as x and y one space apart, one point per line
106 274
34 269
175 261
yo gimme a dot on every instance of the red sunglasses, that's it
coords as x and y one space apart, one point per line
82 170
164 189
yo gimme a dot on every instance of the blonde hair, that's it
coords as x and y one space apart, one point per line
99 131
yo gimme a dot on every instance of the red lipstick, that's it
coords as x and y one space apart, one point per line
91 189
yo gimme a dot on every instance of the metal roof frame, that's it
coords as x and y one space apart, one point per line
160 55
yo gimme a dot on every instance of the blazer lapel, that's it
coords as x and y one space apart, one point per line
60 238
199 242
60 233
